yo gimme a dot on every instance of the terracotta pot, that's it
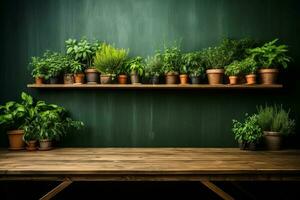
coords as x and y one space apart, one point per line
273 140
122 79
233 80
171 78
268 76
92 76
105 79
54 80
31 145
79 78
154 80
39 80
15 138
45 144
251 79
184 79
215 76
134 78
195 79
68 79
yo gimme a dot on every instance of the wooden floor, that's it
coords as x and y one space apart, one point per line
172 164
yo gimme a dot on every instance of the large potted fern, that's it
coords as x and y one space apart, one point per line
270 57
107 60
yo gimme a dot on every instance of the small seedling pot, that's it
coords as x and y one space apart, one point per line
233 80
184 79
122 79
251 79
105 79
39 80
79 78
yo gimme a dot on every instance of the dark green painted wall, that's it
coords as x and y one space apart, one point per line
146 118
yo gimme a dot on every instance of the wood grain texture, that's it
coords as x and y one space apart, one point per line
170 164
153 87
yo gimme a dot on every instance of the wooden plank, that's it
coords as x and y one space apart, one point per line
66 182
153 87
217 190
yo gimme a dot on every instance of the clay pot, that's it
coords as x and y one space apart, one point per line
134 78
79 78
171 78
122 79
184 79
31 145
68 79
273 140
45 144
195 79
15 138
251 79
54 80
268 76
154 80
233 80
215 76
105 79
39 80
92 76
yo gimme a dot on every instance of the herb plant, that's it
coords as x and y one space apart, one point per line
136 65
172 59
153 66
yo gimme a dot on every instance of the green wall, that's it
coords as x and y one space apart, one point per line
146 118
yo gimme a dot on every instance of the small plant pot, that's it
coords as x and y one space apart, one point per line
154 80
252 146
105 79
184 79
92 76
79 78
171 78
15 138
195 79
134 78
273 140
68 79
122 79
251 79
215 76
54 80
39 80
45 145
242 145
31 145
233 80
268 76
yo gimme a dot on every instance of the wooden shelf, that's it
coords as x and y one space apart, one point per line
154 87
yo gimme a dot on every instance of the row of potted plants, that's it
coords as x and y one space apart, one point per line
95 62
267 128
29 121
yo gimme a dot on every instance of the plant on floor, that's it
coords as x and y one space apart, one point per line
172 59
153 67
108 59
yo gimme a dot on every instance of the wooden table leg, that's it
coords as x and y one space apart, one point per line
66 182
217 190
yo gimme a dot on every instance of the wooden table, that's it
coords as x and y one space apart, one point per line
150 164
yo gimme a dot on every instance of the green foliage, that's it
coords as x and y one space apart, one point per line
136 65
154 65
248 131
271 55
193 63
38 67
234 69
82 51
172 59
108 59
248 65
275 119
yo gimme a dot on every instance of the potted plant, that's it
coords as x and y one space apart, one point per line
77 69
194 64
107 60
270 57
136 67
122 72
153 68
38 71
233 71
249 68
54 63
172 61
247 133
83 51
276 123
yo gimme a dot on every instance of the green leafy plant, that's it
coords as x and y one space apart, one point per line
108 59
234 69
154 65
38 67
136 65
271 55
248 65
172 59
193 64
248 131
275 119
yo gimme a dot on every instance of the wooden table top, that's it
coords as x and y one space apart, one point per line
150 164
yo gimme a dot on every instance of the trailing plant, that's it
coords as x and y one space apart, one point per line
154 65
136 65
172 59
108 59
275 119
271 55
